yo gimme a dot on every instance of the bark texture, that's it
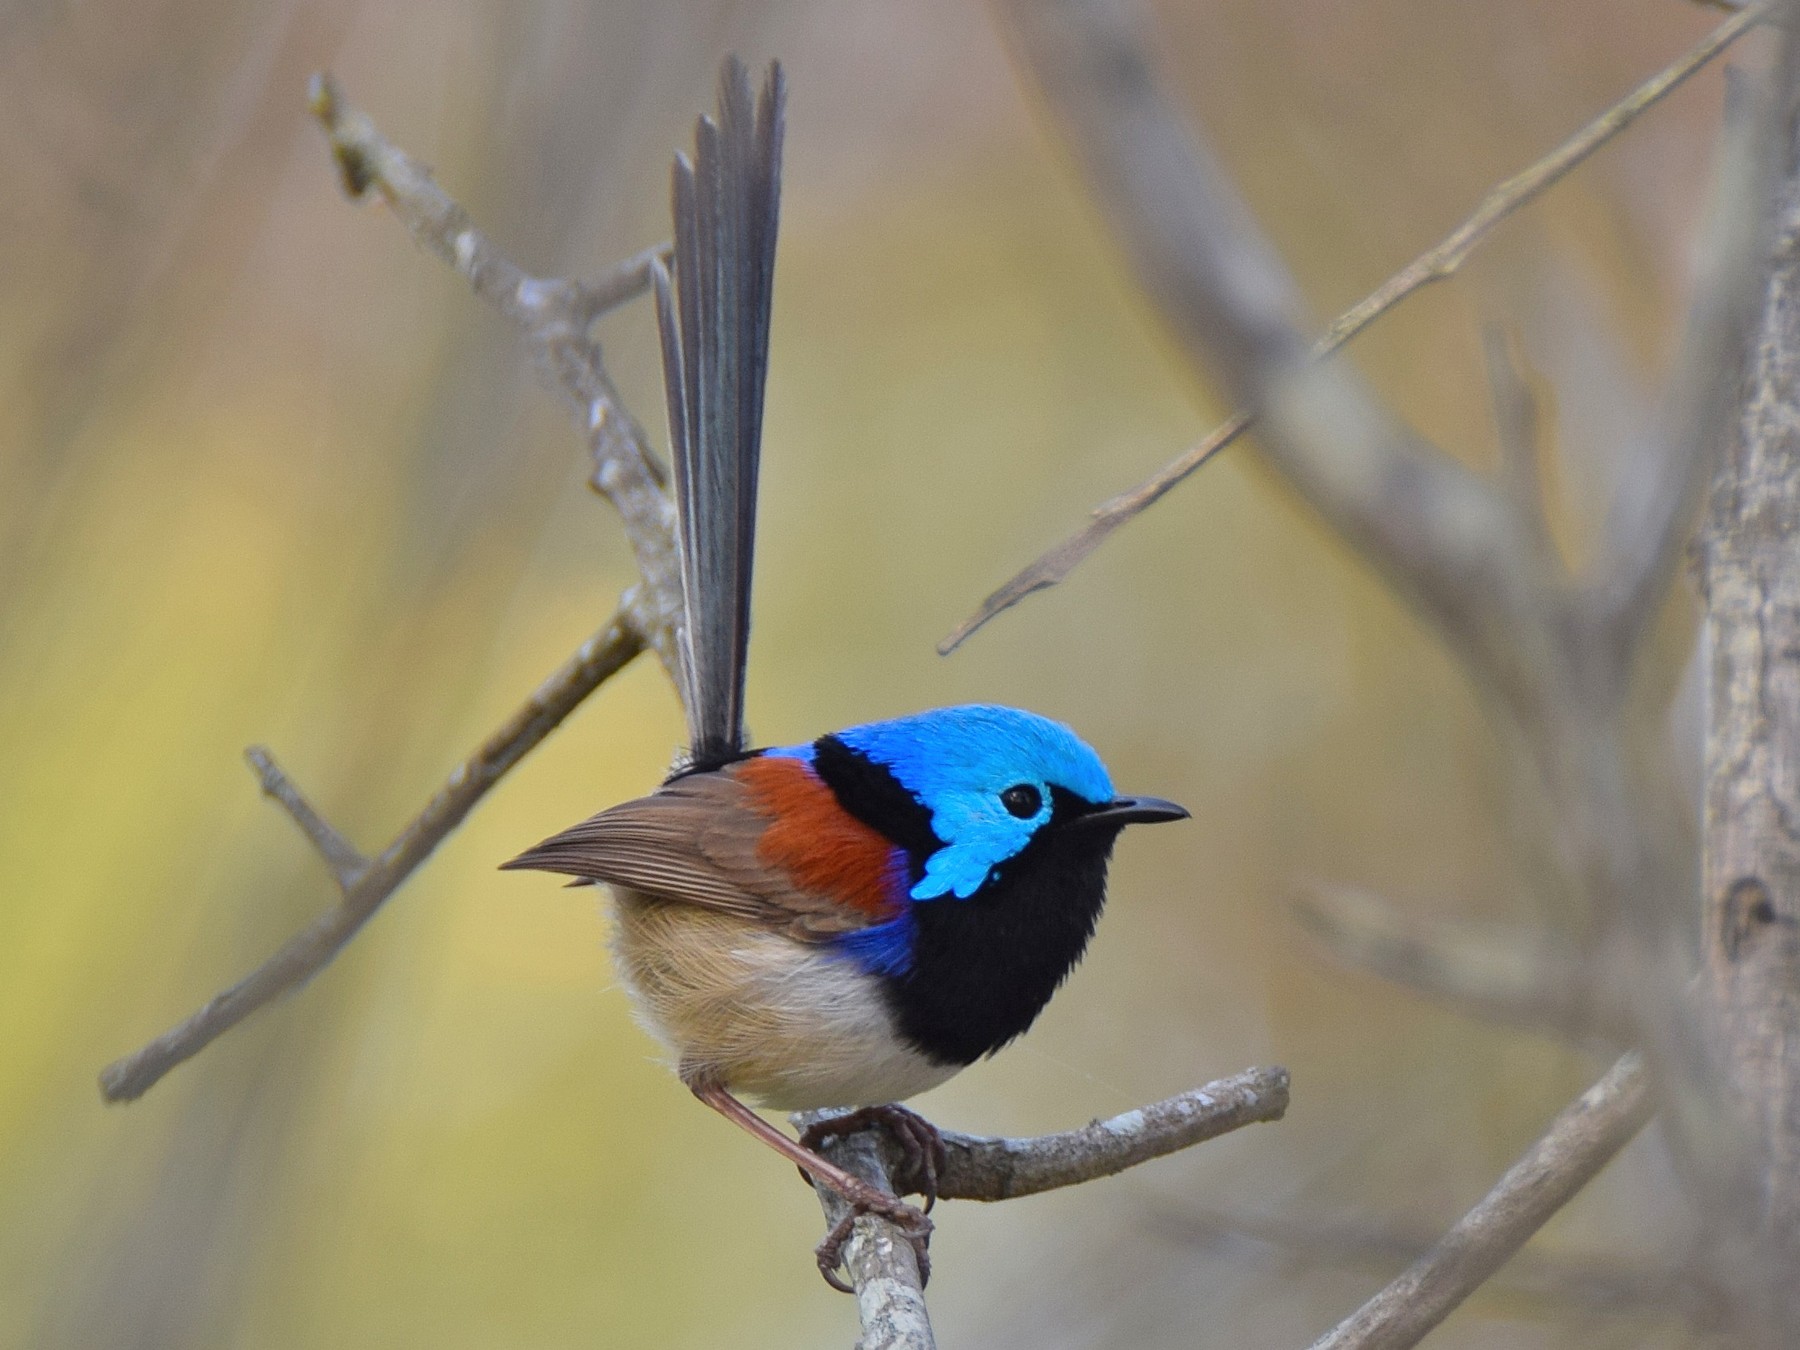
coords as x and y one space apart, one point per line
1749 563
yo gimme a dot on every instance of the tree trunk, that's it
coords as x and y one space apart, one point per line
1749 989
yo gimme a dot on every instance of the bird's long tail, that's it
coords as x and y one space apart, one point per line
715 341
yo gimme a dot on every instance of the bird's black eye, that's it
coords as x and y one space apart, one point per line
1022 800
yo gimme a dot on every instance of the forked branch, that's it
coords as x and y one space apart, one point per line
1441 261
368 883
880 1261
554 317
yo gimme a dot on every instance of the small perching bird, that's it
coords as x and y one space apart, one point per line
850 922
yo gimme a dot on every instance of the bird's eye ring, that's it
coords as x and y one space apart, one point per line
1022 800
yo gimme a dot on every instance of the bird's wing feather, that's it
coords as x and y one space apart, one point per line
699 840
715 340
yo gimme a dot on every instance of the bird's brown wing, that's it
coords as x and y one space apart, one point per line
700 840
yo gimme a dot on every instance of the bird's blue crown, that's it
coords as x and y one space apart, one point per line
958 762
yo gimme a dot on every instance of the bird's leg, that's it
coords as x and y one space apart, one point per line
918 1138
862 1197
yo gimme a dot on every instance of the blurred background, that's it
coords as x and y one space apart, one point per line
269 474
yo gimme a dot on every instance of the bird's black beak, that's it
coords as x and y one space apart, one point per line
1132 811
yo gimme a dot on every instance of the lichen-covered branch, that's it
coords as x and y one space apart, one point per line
600 657
882 1270
1004 1169
1749 568
1579 1142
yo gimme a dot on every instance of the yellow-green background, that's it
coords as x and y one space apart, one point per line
269 474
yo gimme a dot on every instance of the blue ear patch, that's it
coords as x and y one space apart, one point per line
958 761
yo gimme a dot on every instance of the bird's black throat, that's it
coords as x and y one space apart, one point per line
983 968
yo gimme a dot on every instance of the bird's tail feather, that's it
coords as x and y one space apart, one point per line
715 341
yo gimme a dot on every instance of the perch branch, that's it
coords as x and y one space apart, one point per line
1441 261
1579 1142
880 1261
600 657
884 1272
1004 1169
554 316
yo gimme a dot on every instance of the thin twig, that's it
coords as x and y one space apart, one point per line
600 657
341 856
1579 1142
1435 264
554 315
623 282
1443 537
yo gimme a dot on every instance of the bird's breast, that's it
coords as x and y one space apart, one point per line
788 1024
983 968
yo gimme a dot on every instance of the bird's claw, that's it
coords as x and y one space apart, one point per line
909 1219
921 1146
923 1161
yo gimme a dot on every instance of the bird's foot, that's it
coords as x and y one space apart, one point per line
921 1146
909 1219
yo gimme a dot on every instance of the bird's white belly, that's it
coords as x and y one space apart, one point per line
786 1024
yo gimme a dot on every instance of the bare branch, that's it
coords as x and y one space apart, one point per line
1592 1284
1437 263
1579 1142
1508 979
554 316
340 855
1443 537
600 657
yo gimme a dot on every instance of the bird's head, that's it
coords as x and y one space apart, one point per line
968 789
1003 821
